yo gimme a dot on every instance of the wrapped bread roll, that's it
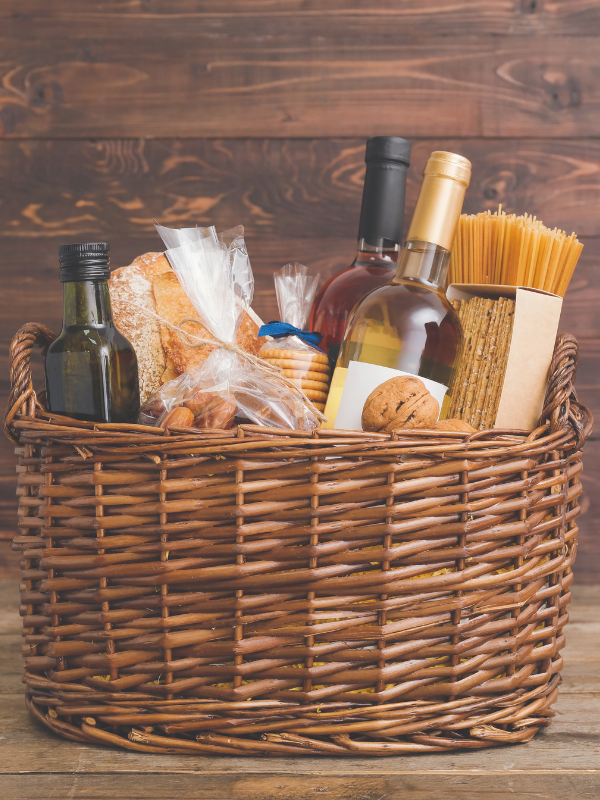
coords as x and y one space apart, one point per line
208 300
148 288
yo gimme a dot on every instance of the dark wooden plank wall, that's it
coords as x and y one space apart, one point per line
115 113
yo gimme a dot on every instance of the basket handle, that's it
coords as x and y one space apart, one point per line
22 395
561 406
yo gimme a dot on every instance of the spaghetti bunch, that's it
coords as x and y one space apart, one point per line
505 249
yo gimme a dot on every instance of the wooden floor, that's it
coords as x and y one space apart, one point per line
561 763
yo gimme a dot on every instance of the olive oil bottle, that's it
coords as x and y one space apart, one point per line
91 368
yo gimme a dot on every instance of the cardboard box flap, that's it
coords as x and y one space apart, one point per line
464 291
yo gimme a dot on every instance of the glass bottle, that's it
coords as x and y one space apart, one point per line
379 237
91 368
407 327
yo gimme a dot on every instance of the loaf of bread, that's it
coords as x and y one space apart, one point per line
133 309
147 290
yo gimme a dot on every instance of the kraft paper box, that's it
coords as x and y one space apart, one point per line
535 325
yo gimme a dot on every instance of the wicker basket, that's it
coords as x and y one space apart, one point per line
260 592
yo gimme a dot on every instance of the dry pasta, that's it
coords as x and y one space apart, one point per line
505 249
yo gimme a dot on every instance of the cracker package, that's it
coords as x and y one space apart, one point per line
231 384
291 348
509 335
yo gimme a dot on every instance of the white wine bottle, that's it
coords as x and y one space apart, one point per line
407 326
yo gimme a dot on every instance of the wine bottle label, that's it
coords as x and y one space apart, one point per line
361 380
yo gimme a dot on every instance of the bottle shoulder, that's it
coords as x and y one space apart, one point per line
402 319
76 339
89 338
357 272
348 286
398 298
121 341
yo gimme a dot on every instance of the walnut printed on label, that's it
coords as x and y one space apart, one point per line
401 402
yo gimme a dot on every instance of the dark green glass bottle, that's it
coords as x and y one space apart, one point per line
91 369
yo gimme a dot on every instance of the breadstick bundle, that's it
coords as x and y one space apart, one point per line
290 348
230 384
487 326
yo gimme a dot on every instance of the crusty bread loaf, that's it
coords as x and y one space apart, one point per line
132 305
148 289
173 305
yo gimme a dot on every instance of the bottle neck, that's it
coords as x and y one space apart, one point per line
423 263
86 303
376 252
382 209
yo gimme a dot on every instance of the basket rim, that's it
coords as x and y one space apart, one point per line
562 415
97 439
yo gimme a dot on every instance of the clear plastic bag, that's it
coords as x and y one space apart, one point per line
231 385
214 271
295 290
297 355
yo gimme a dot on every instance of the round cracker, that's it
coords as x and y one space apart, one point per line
307 375
294 355
285 363
318 386
319 406
313 394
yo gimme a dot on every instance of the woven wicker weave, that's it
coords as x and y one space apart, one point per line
260 592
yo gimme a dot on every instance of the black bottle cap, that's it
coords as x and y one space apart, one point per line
84 262
382 211
388 148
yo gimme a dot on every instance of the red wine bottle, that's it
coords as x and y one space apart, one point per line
379 238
